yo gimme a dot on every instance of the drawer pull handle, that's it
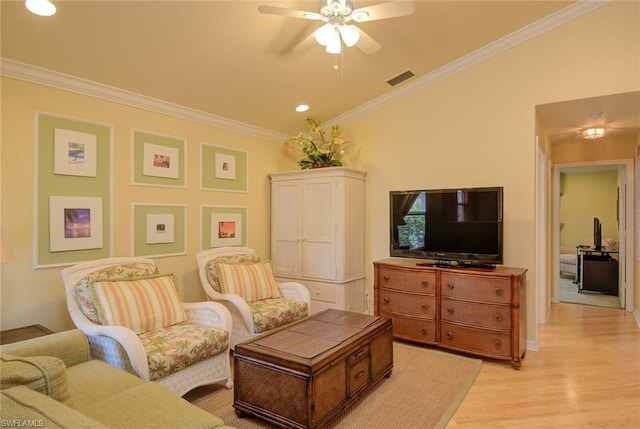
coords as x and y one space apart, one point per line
450 310
424 331
358 354
425 307
498 317
386 278
317 292
450 335
497 344
450 286
425 283
358 375
498 291
385 300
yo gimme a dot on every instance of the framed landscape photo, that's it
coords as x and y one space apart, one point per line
159 229
159 160
223 226
75 153
223 169
75 223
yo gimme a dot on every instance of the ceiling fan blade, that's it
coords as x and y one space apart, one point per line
275 10
383 11
366 43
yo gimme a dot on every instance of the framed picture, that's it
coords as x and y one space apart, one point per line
223 169
223 226
75 223
158 160
159 229
74 153
225 166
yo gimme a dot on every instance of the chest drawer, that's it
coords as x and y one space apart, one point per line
475 314
476 288
419 330
325 293
359 374
407 304
407 280
469 339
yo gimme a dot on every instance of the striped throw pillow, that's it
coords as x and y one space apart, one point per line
141 305
253 282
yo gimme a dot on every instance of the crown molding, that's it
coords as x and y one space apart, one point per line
569 13
46 77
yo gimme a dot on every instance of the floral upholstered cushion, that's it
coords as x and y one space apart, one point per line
84 288
212 266
271 313
140 304
176 347
252 282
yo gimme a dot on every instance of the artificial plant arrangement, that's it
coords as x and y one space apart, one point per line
321 147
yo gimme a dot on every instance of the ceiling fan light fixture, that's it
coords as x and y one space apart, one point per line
349 34
40 7
593 133
325 34
335 45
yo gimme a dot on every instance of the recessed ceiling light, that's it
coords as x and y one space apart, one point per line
41 7
302 108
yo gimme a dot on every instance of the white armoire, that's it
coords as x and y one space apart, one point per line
317 234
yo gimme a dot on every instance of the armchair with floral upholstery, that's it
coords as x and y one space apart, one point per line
237 278
135 320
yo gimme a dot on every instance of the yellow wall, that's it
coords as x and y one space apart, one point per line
588 195
475 128
36 296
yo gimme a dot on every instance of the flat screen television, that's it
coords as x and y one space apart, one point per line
597 234
448 226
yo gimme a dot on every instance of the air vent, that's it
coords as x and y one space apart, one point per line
400 78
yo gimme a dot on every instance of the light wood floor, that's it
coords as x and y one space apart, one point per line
586 374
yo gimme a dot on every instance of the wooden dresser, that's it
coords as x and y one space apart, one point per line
474 310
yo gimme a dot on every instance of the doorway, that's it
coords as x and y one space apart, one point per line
564 287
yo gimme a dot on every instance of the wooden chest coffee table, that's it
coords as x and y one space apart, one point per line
304 374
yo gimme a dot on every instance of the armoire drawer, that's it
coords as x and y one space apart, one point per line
325 293
407 280
490 316
475 340
391 301
488 289
419 330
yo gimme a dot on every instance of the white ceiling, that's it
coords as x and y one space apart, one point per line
224 58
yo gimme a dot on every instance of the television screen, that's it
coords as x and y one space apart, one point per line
462 225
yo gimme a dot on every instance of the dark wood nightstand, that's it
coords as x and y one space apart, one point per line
24 333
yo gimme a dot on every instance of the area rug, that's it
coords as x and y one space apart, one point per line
424 391
569 293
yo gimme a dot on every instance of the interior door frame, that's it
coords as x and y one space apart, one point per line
626 227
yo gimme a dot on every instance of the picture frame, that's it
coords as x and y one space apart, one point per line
75 153
158 160
223 169
75 223
223 226
158 230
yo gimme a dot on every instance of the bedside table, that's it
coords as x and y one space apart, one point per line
23 333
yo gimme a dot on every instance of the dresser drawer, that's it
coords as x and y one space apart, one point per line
408 280
476 314
476 288
419 330
489 343
325 293
391 301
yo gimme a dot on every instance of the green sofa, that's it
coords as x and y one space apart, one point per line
68 390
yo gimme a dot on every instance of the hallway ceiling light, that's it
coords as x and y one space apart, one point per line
593 133
41 7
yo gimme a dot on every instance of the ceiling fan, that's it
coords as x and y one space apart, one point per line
337 15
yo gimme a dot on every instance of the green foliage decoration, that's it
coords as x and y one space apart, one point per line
321 148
